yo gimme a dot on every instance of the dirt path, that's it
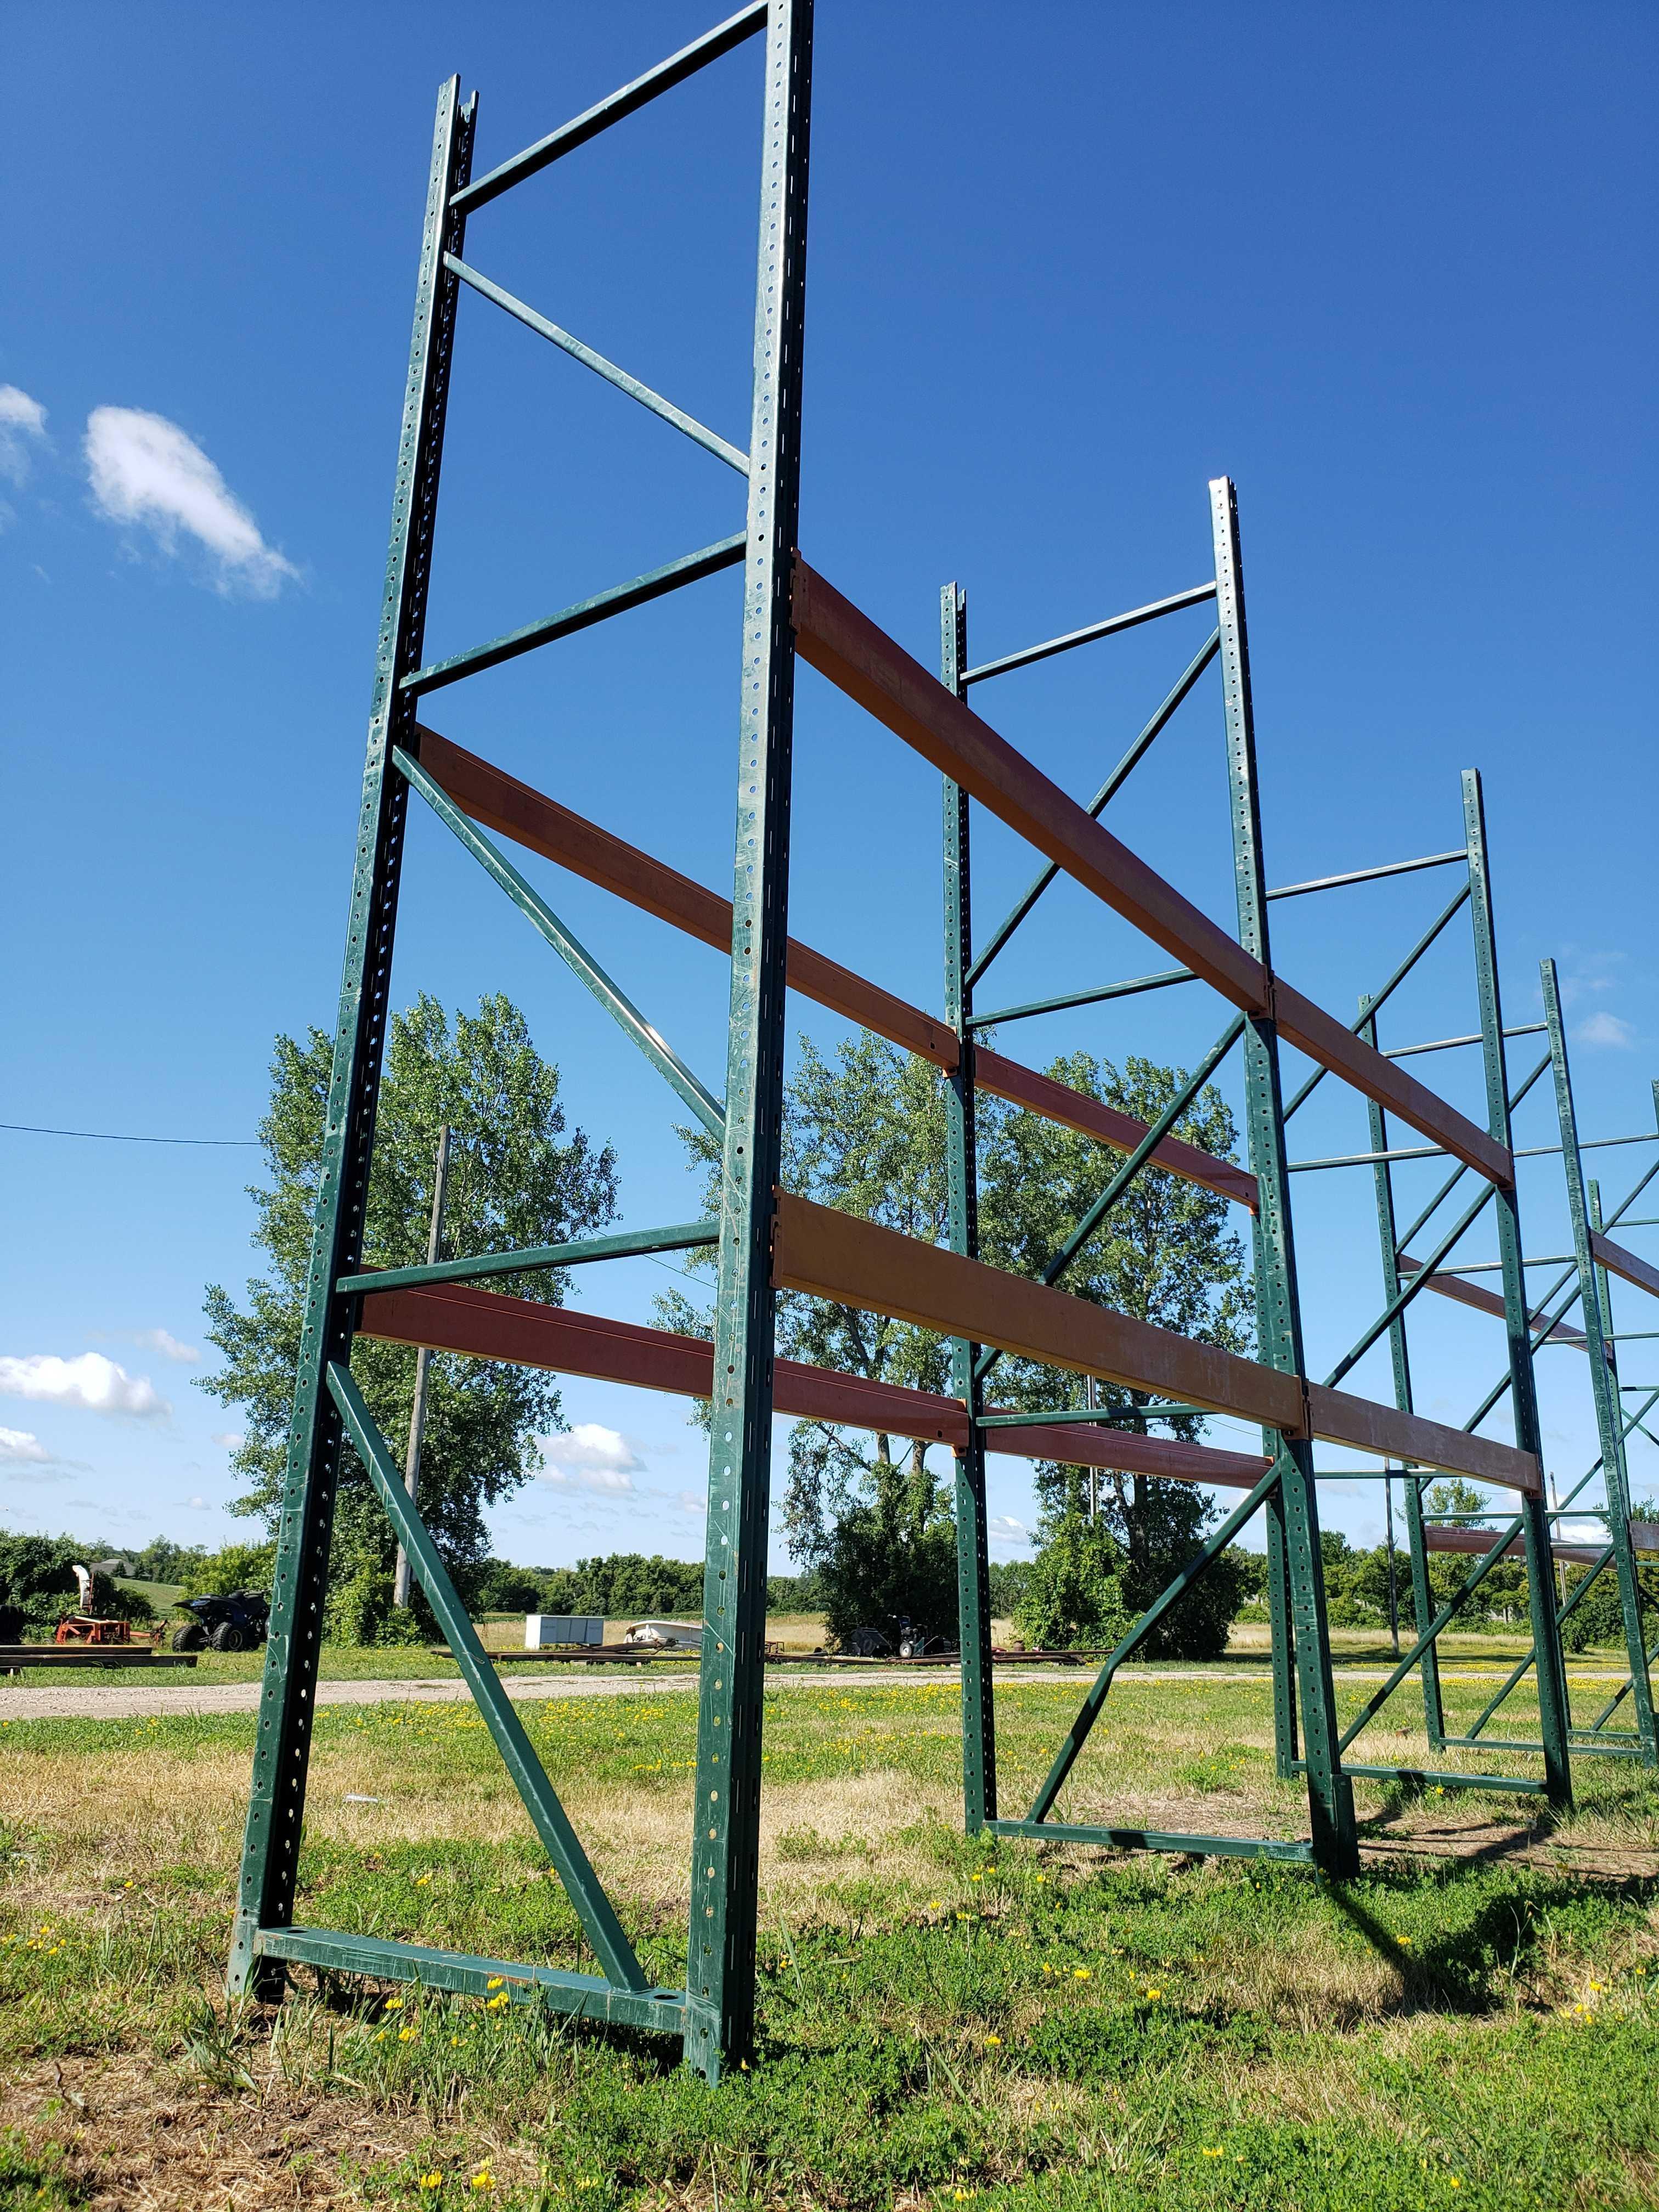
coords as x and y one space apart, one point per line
142 1701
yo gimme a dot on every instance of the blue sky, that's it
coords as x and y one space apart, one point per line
1389 269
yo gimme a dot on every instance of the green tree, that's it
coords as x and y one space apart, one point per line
518 1176
866 1132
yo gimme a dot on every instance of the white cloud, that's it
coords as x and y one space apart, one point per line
22 431
1002 1529
92 1382
694 1502
591 1457
1605 1029
18 1447
146 469
232 1439
160 1340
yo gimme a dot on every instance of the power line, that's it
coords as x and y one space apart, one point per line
114 1137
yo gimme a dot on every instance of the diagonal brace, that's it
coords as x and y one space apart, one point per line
570 948
708 440
1370 1005
1403 1297
1089 1712
582 1885
1108 791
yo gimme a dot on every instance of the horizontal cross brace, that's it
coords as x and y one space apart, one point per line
1155 1839
638 591
845 645
585 1995
484 1325
1447 1044
684 1237
654 402
628 101
1369 875
835 1255
1419 1777
511 809
1194 596
1124 990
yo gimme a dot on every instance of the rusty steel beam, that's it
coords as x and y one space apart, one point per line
1463 1292
459 1317
861 660
1057 1102
835 1255
1625 1265
511 809
1478 1542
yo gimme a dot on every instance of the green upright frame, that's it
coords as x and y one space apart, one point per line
714 2012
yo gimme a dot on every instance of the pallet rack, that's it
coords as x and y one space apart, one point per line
766 1239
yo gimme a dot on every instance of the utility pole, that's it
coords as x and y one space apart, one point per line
422 1361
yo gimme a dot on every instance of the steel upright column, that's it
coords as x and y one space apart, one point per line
1536 1529
1423 1608
1604 1375
1279 1322
978 1772
277 1806
726 1833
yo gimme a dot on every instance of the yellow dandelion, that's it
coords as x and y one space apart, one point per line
484 2178
407 2034
495 1981
1154 1994
1079 1973
992 2041
1405 1942
393 2004
431 2181
1216 2153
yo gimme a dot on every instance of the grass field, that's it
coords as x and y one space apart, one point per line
1471 2023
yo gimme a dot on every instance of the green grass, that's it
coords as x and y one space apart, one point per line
942 2020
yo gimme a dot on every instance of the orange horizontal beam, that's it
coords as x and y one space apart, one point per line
860 659
1479 1541
1057 1102
515 810
481 1324
1625 1265
835 1255
1466 1294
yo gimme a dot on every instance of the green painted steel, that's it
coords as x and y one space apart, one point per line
627 1244
1108 790
652 402
1101 1416
276 1805
1430 1777
710 47
1279 1322
1089 1712
1595 1313
1434 1715
1292 1852
1129 989
1197 595
725 1837
1442 921
979 1763
582 1885
1375 875
1524 1396
461 1972
570 949
620 598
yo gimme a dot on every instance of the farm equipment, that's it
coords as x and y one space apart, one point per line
236 1622
86 1626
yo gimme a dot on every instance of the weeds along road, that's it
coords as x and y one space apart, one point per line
144 1700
